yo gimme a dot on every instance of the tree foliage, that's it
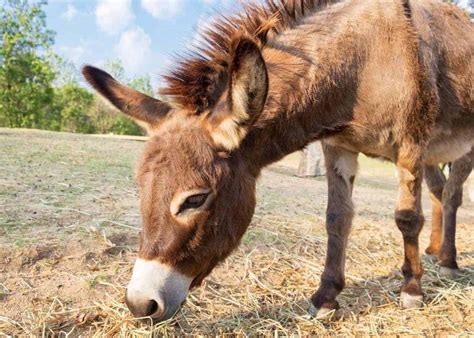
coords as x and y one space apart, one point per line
26 73
72 103
38 89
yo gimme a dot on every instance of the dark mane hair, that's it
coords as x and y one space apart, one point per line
193 83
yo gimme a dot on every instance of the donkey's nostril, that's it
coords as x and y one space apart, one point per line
142 307
152 307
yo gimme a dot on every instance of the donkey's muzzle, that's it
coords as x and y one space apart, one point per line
156 290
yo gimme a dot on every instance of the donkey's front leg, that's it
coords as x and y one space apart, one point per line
409 219
341 169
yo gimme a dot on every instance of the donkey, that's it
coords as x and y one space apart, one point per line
446 198
391 79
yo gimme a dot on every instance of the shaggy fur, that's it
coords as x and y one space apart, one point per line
193 82
392 79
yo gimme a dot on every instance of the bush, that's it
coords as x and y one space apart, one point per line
73 103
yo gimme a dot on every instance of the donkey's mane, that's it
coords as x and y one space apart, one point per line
193 84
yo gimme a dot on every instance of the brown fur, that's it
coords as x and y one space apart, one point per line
391 79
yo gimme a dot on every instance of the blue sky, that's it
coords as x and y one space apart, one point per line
143 34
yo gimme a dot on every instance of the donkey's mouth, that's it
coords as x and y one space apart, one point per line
197 281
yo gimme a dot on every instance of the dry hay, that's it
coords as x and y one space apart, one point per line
262 290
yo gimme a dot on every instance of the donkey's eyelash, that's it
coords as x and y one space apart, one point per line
193 202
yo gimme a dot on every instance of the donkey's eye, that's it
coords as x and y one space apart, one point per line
193 202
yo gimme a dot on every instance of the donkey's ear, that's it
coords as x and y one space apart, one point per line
248 80
139 106
247 93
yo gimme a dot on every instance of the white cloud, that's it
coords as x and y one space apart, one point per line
112 16
163 9
134 49
73 54
70 13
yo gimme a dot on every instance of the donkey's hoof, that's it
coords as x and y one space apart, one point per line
449 273
321 313
408 301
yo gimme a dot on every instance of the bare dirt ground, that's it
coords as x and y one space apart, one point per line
68 237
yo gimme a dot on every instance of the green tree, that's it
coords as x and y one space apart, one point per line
73 103
26 75
66 72
142 84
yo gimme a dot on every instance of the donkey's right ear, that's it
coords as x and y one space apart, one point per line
246 97
139 106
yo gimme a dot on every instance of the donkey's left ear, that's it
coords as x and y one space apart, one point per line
247 93
144 109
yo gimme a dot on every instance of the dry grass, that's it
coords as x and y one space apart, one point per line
66 252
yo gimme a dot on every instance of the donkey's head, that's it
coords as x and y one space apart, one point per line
197 193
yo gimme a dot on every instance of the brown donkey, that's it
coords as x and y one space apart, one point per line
392 79
446 197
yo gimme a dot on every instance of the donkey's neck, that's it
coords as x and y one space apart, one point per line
313 71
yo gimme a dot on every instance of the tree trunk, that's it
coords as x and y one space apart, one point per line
312 161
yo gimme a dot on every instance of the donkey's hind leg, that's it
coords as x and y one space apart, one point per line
341 170
452 199
436 181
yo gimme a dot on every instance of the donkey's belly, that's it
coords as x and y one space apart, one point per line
445 148
379 145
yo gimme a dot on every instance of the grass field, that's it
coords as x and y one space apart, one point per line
69 230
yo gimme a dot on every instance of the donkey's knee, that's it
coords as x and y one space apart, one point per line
409 222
